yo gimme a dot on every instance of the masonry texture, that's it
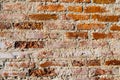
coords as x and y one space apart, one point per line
59 39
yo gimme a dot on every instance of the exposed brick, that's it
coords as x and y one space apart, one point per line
115 27
83 35
42 0
78 1
94 9
54 63
51 7
61 44
92 26
13 17
112 62
5 25
104 1
77 63
29 44
93 62
79 71
102 35
14 6
78 17
59 25
36 35
107 18
75 8
43 16
28 25
44 72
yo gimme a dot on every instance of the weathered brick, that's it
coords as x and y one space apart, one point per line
13 17
94 9
29 44
115 27
51 7
61 44
78 17
14 6
78 63
78 1
54 63
103 71
5 25
106 18
79 71
83 35
112 62
94 62
75 8
42 0
92 26
59 25
28 25
104 1
43 72
43 16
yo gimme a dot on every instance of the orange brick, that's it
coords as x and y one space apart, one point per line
77 34
104 1
52 7
102 35
115 27
93 63
106 18
75 8
78 17
94 9
93 26
43 16
112 62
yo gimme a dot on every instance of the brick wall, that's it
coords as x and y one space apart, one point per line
59 39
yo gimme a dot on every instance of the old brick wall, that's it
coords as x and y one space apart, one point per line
59 40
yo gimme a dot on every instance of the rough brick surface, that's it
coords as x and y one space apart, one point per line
59 39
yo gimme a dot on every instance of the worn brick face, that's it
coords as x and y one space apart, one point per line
59 40
28 25
43 16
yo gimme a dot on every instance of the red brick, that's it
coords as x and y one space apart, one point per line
28 44
94 9
115 27
75 8
43 16
51 7
77 63
112 62
93 62
78 17
43 72
106 18
79 71
92 26
104 1
83 35
28 25
5 25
